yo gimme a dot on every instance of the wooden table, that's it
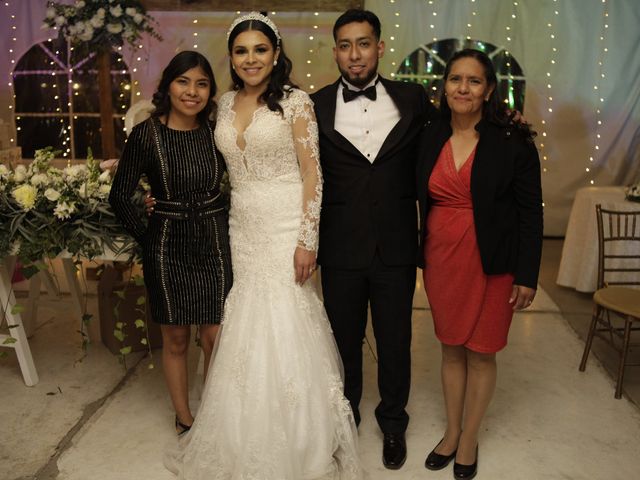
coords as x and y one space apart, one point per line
579 261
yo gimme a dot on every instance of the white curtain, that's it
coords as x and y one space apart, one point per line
571 127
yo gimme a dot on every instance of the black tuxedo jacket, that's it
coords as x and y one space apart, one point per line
506 196
370 206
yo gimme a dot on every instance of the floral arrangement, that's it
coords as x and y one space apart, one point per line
633 192
101 23
45 210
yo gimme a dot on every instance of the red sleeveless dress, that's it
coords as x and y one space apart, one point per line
469 307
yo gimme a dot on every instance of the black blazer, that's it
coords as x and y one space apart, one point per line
506 195
370 206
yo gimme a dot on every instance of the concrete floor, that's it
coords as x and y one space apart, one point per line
89 419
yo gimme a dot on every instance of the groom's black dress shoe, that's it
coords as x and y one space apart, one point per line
465 472
435 461
394 450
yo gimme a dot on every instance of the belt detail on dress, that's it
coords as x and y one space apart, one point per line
203 207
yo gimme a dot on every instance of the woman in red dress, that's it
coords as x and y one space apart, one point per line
481 208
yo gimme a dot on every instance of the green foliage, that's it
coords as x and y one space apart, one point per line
17 308
46 210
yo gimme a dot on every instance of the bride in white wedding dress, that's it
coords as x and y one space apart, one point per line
273 406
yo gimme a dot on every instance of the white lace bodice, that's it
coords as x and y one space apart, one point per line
277 148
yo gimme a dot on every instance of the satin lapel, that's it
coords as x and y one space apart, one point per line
407 111
325 107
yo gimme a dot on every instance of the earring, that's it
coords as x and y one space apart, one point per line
233 67
275 62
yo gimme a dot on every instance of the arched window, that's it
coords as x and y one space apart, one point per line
426 64
56 97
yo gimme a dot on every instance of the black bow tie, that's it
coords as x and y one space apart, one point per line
349 95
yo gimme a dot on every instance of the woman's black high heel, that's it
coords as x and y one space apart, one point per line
436 461
181 428
466 472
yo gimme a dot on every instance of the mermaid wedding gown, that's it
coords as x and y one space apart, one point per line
273 406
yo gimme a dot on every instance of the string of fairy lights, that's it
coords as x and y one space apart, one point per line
552 56
310 50
12 59
473 13
392 37
137 57
597 87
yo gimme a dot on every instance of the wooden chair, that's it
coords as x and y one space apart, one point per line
618 269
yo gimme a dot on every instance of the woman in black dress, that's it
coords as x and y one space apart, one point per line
186 256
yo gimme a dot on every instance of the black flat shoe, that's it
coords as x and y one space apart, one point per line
181 428
465 472
436 461
394 450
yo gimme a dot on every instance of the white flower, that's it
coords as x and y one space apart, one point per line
116 11
114 27
4 171
39 179
74 171
64 210
97 21
25 195
104 190
19 174
86 35
130 11
52 194
15 247
138 17
101 12
82 191
80 4
104 177
60 20
88 30
51 12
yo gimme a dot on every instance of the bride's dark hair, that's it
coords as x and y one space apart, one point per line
281 71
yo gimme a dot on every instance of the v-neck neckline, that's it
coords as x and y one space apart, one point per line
239 135
453 161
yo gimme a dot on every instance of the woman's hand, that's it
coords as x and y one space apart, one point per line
304 263
521 297
149 203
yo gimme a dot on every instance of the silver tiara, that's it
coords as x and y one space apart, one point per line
254 16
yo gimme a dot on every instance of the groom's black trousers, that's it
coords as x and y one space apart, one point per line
389 291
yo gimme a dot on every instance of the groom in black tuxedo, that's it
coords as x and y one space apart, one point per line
369 127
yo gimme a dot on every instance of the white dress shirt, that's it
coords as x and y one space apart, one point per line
366 123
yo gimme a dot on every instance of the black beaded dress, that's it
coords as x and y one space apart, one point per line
186 254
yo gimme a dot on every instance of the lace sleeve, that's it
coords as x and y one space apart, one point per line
305 135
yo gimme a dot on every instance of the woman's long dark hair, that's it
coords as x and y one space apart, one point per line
493 110
281 71
179 64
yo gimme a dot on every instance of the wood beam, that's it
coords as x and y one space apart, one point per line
247 5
